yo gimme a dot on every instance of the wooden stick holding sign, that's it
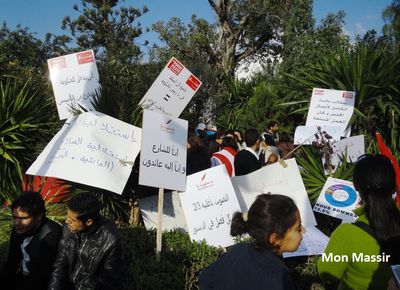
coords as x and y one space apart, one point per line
159 222
163 155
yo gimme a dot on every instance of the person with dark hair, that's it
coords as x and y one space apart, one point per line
197 158
270 135
285 146
237 135
33 244
246 161
226 155
215 143
274 224
364 250
91 249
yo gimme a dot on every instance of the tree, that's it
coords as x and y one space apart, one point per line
391 16
247 28
111 32
244 29
21 54
304 46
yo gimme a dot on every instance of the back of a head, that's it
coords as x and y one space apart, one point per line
375 180
285 137
251 136
230 141
195 142
30 202
271 124
270 213
85 205
374 174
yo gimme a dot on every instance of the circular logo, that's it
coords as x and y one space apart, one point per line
340 195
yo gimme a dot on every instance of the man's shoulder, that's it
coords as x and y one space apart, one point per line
108 228
243 154
53 225
50 228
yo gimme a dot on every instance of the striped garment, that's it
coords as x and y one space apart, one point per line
225 156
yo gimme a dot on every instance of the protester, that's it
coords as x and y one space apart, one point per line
226 155
91 249
197 156
274 224
215 143
271 135
246 161
33 245
237 135
285 146
364 250
201 131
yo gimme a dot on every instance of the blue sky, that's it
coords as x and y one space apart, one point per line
42 16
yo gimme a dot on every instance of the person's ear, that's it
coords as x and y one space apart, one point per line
274 240
88 222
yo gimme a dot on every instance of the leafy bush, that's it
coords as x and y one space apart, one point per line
179 266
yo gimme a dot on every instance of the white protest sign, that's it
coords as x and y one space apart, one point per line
276 180
173 217
352 147
89 149
172 90
338 198
314 243
330 108
74 78
306 134
163 152
209 203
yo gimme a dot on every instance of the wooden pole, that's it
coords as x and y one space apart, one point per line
159 222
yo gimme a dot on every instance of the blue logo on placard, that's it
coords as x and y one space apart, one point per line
350 199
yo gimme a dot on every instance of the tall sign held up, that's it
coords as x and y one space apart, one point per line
163 156
74 78
163 152
172 90
332 108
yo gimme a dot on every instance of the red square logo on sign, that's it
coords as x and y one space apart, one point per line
347 95
193 82
85 57
57 63
175 66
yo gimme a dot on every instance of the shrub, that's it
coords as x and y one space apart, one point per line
179 266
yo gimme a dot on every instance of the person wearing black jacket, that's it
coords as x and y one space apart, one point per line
274 224
91 249
33 245
246 161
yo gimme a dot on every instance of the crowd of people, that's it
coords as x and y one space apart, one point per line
241 154
87 251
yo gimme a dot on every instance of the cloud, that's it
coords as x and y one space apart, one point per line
360 29
370 17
